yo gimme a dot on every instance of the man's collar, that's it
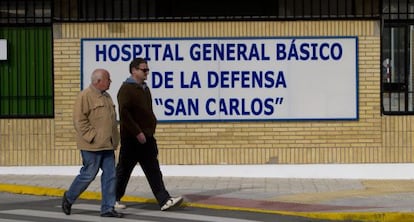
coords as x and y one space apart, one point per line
98 90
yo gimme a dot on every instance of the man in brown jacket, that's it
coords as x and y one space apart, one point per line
95 123
138 123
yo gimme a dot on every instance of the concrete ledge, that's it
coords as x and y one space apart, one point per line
321 171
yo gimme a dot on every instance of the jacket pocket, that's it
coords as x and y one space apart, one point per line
97 118
98 111
102 138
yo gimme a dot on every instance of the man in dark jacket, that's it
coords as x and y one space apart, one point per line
138 145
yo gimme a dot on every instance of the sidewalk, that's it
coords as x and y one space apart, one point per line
335 199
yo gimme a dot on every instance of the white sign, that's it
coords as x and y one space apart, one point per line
224 79
3 49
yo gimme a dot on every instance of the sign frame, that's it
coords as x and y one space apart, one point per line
349 94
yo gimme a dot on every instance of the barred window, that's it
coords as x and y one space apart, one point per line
397 61
43 11
173 10
25 12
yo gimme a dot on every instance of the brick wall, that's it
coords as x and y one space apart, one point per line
371 139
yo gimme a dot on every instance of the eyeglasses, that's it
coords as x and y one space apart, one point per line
144 70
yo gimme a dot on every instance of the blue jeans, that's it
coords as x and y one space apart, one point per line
92 162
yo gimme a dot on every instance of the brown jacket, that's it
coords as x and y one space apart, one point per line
95 122
135 110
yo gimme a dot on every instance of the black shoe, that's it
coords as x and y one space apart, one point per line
66 206
112 213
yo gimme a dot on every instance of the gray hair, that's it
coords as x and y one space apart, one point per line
97 75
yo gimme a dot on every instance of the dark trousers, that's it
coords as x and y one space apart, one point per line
131 153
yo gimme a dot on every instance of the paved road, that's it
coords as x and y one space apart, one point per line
321 199
24 208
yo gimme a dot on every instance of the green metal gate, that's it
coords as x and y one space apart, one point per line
26 79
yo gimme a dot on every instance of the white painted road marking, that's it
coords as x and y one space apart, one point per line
166 214
130 211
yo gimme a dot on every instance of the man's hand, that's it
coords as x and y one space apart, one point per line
141 138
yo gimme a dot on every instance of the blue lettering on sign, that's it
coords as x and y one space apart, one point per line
181 107
336 51
209 103
242 107
100 52
113 53
309 51
193 83
228 52
156 50
126 52
159 80
221 106
246 79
